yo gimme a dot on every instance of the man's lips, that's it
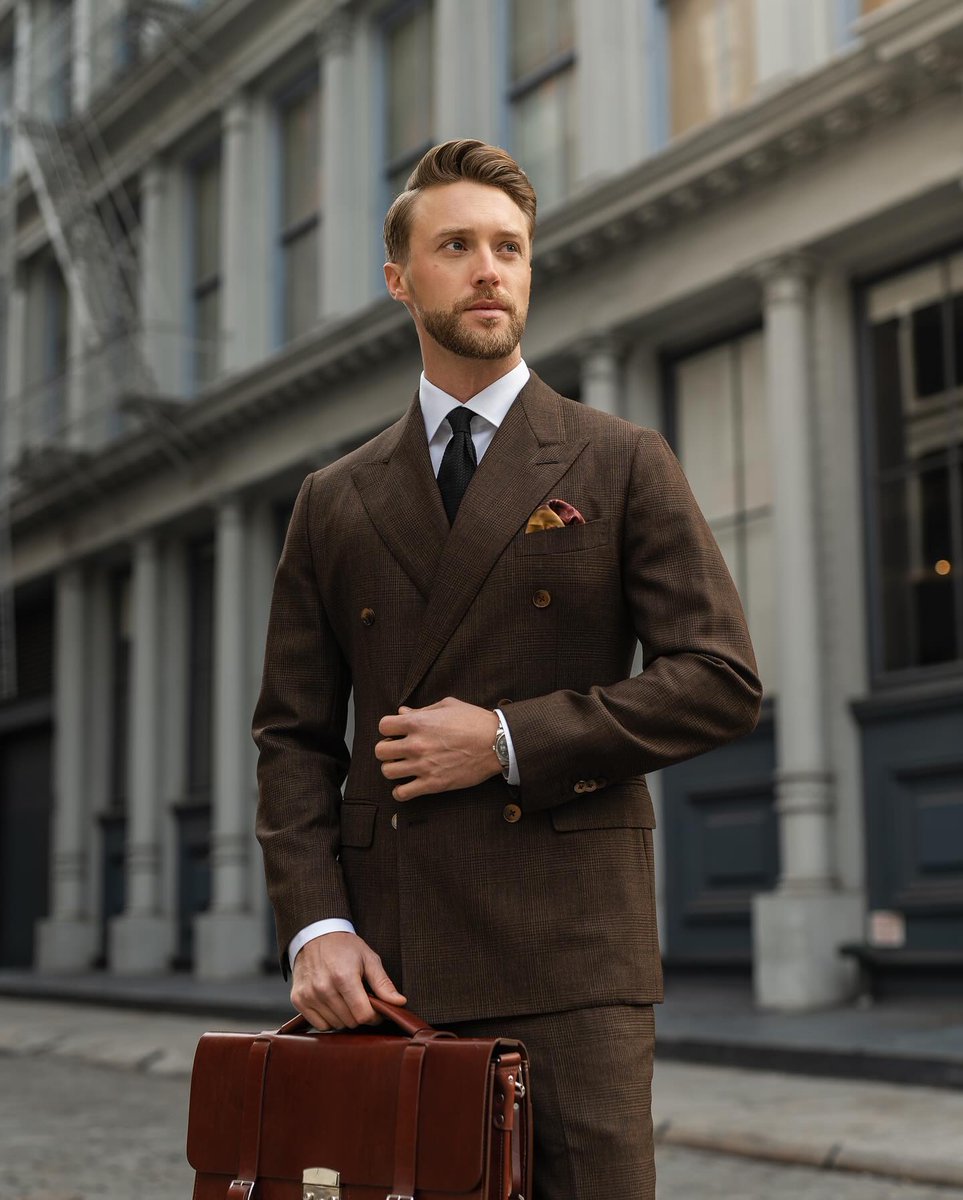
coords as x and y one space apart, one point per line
487 306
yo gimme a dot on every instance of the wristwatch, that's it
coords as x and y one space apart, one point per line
501 747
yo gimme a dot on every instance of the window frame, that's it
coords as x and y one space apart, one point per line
882 678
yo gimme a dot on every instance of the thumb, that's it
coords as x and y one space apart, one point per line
405 708
381 985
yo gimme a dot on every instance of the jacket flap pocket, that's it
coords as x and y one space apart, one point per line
566 539
622 806
357 823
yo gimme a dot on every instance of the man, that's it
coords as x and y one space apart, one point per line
492 853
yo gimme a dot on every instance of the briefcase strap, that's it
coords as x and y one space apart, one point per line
242 1188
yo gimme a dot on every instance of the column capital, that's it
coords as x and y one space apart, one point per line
335 28
153 178
235 112
785 277
601 345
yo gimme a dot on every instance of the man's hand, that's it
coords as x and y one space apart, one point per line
440 748
328 987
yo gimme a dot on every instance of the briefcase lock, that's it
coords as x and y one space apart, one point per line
320 1183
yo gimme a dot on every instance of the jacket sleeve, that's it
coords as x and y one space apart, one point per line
698 687
299 728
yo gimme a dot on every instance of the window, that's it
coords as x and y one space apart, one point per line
722 441
542 94
300 124
205 193
712 53
409 91
45 392
60 60
915 335
200 669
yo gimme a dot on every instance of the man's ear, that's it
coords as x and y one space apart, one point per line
395 282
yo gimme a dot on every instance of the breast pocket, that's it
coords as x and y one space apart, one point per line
566 540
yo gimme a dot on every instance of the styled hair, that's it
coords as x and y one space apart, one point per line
451 162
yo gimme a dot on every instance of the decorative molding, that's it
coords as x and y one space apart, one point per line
336 30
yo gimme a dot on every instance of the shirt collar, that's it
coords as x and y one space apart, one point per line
492 402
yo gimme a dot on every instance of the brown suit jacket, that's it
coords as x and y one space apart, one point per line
474 913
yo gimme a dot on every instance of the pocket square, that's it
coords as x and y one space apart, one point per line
555 514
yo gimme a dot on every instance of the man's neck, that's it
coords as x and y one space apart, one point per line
462 378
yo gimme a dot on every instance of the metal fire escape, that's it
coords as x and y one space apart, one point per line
93 229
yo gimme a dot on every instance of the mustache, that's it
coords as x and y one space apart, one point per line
487 293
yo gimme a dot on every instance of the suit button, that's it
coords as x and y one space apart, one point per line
502 703
367 616
394 820
512 813
581 786
542 599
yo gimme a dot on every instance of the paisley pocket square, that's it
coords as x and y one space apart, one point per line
555 514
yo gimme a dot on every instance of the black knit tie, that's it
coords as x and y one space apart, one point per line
459 461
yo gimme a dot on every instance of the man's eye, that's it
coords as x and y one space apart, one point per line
512 247
455 244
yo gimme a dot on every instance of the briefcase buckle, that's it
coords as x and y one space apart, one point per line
396 1196
320 1183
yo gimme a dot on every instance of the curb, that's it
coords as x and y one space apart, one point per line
834 1157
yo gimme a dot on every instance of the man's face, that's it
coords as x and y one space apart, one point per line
468 275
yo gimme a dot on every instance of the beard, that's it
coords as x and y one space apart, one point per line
496 338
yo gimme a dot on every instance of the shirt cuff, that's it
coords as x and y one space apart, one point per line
513 777
315 930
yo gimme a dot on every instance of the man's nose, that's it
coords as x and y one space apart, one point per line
485 269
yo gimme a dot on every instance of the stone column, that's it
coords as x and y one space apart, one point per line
340 285
797 928
235 351
612 81
140 939
66 940
467 49
12 413
602 374
82 50
229 936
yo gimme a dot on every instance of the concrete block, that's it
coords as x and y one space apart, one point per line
65 945
796 939
228 945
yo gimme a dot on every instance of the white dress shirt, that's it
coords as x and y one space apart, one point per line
491 407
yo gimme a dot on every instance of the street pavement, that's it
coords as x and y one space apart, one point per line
93 1103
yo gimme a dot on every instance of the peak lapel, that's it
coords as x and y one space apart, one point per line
402 499
526 458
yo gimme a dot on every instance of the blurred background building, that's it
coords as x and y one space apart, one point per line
750 237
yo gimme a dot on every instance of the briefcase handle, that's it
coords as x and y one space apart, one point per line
407 1021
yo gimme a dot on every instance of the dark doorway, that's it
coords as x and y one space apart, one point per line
25 816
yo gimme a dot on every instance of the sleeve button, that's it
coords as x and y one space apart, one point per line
512 813
542 598
367 616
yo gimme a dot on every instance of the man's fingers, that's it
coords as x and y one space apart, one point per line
379 981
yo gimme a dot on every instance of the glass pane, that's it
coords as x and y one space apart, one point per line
957 347
301 284
756 453
541 31
6 110
917 569
890 407
706 441
929 375
738 51
207 316
409 92
207 220
301 152
759 597
693 63
544 137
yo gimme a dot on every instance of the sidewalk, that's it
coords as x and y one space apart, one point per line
908 1132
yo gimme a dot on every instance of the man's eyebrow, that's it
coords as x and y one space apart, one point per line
512 234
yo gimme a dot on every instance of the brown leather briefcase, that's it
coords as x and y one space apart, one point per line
360 1115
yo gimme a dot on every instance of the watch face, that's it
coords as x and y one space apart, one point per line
501 748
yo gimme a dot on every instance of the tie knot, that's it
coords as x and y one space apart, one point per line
460 419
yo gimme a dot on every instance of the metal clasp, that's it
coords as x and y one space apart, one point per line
320 1183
